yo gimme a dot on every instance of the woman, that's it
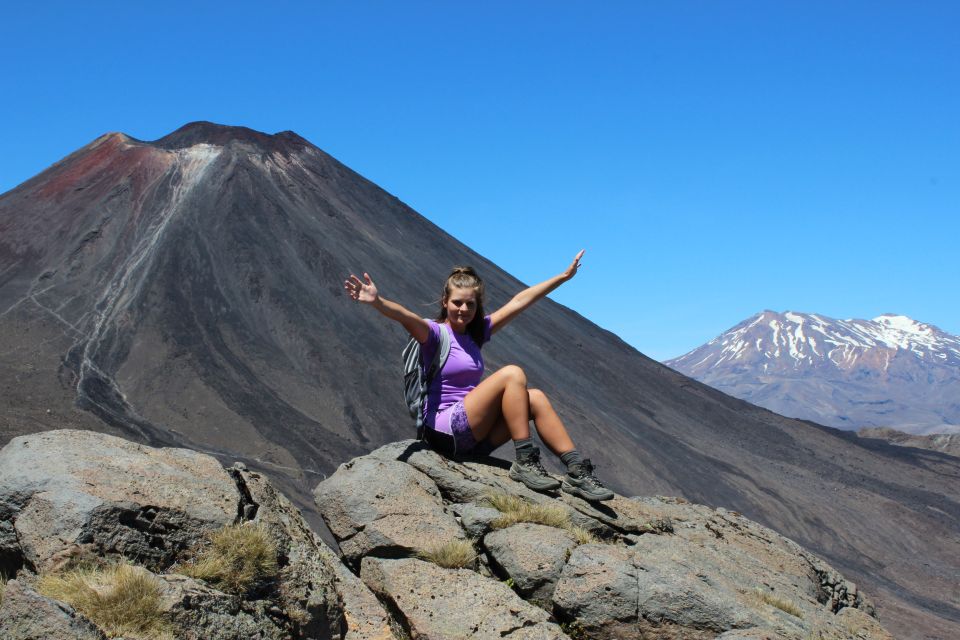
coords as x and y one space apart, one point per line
463 413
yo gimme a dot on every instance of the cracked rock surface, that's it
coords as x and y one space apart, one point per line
657 568
71 498
27 615
384 508
436 603
63 488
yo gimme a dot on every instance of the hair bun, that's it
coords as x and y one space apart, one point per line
467 271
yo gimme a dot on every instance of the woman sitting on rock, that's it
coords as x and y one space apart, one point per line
464 414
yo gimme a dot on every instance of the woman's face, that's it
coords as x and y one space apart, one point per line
461 307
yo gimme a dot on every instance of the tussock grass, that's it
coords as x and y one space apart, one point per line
236 558
3 585
582 535
121 599
514 509
780 603
454 554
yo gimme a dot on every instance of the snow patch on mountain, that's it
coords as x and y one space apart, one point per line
809 340
848 373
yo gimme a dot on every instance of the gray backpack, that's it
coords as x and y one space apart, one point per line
416 381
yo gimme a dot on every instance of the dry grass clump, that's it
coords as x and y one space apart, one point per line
121 599
780 603
582 535
454 554
514 509
237 557
3 585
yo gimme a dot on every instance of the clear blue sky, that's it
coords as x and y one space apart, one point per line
714 158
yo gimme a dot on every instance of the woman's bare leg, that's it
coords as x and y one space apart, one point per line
507 391
549 426
501 396
500 434
500 408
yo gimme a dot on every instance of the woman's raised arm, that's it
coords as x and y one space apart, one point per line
366 292
528 296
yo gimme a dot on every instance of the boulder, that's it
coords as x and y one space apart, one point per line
127 497
598 590
476 520
384 508
313 582
61 488
474 478
27 615
717 573
532 555
438 604
857 623
200 612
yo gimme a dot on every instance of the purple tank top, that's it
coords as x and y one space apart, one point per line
461 372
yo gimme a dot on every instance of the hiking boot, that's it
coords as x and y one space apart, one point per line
581 482
530 472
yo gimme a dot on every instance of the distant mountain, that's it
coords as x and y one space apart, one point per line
944 442
187 292
891 371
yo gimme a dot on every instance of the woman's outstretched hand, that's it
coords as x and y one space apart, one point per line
572 269
362 290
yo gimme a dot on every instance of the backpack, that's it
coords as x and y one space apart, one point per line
416 381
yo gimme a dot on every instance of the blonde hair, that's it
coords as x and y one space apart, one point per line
465 278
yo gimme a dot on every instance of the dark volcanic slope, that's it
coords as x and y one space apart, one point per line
188 290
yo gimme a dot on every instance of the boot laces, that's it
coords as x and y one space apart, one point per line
532 460
586 473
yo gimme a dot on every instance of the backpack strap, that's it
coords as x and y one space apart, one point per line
439 359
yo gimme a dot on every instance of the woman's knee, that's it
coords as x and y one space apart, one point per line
537 398
514 374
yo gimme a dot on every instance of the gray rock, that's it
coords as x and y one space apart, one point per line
671 569
857 623
199 612
598 589
533 556
628 515
321 596
718 573
364 618
751 634
627 593
438 604
475 519
459 481
474 479
105 496
305 584
384 508
26 615
61 488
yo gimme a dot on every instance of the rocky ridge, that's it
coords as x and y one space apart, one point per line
76 497
631 568
649 567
